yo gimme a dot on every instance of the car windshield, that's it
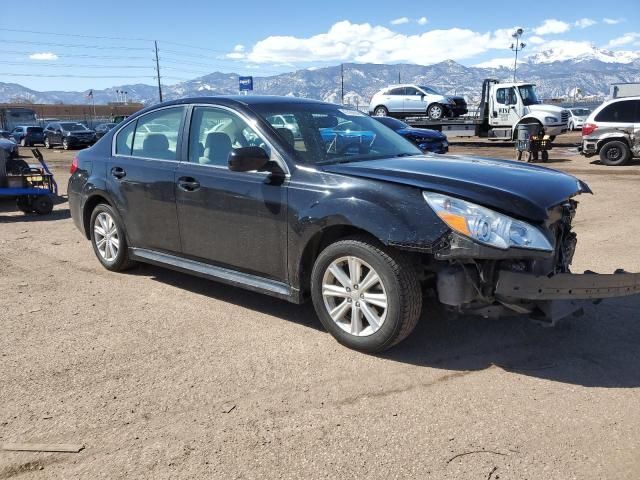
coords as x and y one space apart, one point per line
393 123
430 90
34 129
528 94
580 112
73 126
327 133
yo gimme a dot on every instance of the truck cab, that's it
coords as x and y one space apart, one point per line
511 103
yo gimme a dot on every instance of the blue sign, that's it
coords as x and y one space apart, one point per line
246 83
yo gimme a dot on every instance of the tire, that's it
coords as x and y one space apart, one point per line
571 127
23 142
65 144
397 287
528 156
518 155
615 153
24 204
545 156
42 205
380 111
115 261
47 143
435 111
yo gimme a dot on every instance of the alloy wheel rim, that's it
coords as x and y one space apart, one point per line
354 296
436 112
106 237
380 112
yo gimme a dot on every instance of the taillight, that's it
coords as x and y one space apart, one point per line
588 129
74 165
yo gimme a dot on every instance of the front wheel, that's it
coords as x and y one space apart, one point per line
435 111
23 143
47 143
615 153
367 296
108 238
65 144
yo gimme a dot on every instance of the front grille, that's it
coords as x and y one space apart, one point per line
565 116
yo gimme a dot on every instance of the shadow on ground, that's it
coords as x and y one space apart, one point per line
599 349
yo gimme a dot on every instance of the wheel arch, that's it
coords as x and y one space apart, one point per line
618 138
90 204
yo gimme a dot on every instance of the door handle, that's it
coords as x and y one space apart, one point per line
188 184
118 172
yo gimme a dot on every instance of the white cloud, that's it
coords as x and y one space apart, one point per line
535 40
239 48
400 21
585 22
422 21
625 39
551 26
612 21
346 41
43 56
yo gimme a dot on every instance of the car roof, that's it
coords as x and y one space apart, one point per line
245 100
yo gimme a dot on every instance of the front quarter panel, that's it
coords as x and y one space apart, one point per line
394 214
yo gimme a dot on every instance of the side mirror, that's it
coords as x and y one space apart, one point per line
247 159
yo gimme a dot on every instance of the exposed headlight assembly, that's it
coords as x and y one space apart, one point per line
486 226
551 119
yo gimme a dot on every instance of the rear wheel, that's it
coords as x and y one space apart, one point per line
42 204
367 296
108 238
24 204
615 153
435 111
545 156
23 142
381 111
47 143
65 144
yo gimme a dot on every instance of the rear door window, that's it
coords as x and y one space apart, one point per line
156 135
396 91
124 139
618 112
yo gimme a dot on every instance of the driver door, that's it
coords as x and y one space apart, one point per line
231 219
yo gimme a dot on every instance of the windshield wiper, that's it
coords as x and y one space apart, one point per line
406 154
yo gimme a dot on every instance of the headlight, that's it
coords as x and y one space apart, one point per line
67 134
486 226
551 119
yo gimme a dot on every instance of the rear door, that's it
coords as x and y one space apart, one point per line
232 219
394 100
141 178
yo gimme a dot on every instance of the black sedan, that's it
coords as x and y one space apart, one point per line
423 138
103 128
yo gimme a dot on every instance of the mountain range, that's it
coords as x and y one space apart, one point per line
555 77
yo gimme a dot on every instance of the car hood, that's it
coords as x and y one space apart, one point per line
422 133
521 190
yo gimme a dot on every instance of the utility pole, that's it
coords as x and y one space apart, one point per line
342 83
158 72
399 82
517 45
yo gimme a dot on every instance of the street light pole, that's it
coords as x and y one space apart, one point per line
516 46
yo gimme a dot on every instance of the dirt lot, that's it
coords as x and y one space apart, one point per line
161 375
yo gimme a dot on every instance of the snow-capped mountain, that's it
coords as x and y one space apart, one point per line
585 53
592 71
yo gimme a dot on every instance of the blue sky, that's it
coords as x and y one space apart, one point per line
261 38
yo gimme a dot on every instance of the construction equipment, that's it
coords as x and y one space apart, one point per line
33 187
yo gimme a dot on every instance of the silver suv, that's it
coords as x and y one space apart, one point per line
415 100
613 131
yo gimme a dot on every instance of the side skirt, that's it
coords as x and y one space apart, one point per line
219 274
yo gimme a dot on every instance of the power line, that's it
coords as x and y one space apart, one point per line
74 35
42 75
76 45
75 55
70 65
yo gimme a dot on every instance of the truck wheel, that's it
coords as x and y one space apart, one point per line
615 153
435 111
367 296
108 238
380 111
47 143
42 205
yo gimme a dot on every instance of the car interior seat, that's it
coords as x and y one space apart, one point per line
287 135
156 145
216 149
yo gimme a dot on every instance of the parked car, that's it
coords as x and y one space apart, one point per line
68 134
408 100
28 135
346 137
103 128
9 147
425 139
361 235
577 117
6 134
285 121
613 131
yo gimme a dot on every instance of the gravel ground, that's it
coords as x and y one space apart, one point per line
161 375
